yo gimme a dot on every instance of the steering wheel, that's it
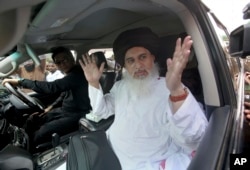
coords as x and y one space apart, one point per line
26 99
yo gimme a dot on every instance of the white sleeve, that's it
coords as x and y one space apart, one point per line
188 124
102 105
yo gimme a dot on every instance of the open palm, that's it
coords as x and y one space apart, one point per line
177 64
91 71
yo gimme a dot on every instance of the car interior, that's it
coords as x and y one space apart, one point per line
33 27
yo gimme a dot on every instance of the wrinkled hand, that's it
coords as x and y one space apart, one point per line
13 82
91 71
177 64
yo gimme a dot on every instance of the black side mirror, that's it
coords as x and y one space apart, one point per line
239 41
246 11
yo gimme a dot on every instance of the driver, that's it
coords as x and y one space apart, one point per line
74 96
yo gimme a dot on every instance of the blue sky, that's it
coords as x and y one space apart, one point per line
228 11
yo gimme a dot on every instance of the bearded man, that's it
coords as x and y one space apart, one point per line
158 123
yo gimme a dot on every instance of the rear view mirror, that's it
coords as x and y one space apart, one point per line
239 41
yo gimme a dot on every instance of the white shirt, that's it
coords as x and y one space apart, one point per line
54 76
145 132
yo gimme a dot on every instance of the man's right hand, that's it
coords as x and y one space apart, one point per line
49 108
91 71
13 82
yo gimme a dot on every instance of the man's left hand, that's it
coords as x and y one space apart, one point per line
177 64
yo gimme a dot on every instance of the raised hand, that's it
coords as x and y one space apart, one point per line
177 64
91 71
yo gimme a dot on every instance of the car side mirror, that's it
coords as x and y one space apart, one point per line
239 41
246 11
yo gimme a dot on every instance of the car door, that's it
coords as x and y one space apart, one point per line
224 133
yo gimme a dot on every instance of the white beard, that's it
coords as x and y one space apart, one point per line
141 87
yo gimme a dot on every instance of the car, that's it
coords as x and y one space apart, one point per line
31 28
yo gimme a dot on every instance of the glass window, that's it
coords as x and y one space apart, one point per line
232 62
29 70
109 55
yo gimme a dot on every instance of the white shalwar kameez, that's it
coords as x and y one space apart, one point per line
145 134
54 76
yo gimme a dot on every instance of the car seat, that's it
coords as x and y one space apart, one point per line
12 157
107 80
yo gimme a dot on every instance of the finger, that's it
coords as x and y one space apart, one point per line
94 59
6 81
187 40
169 62
84 58
81 63
88 59
102 67
41 115
34 113
178 45
3 82
187 44
86 54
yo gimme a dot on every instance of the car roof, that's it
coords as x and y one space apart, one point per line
14 18
89 24
82 25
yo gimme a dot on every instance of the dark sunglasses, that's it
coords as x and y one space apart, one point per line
60 62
